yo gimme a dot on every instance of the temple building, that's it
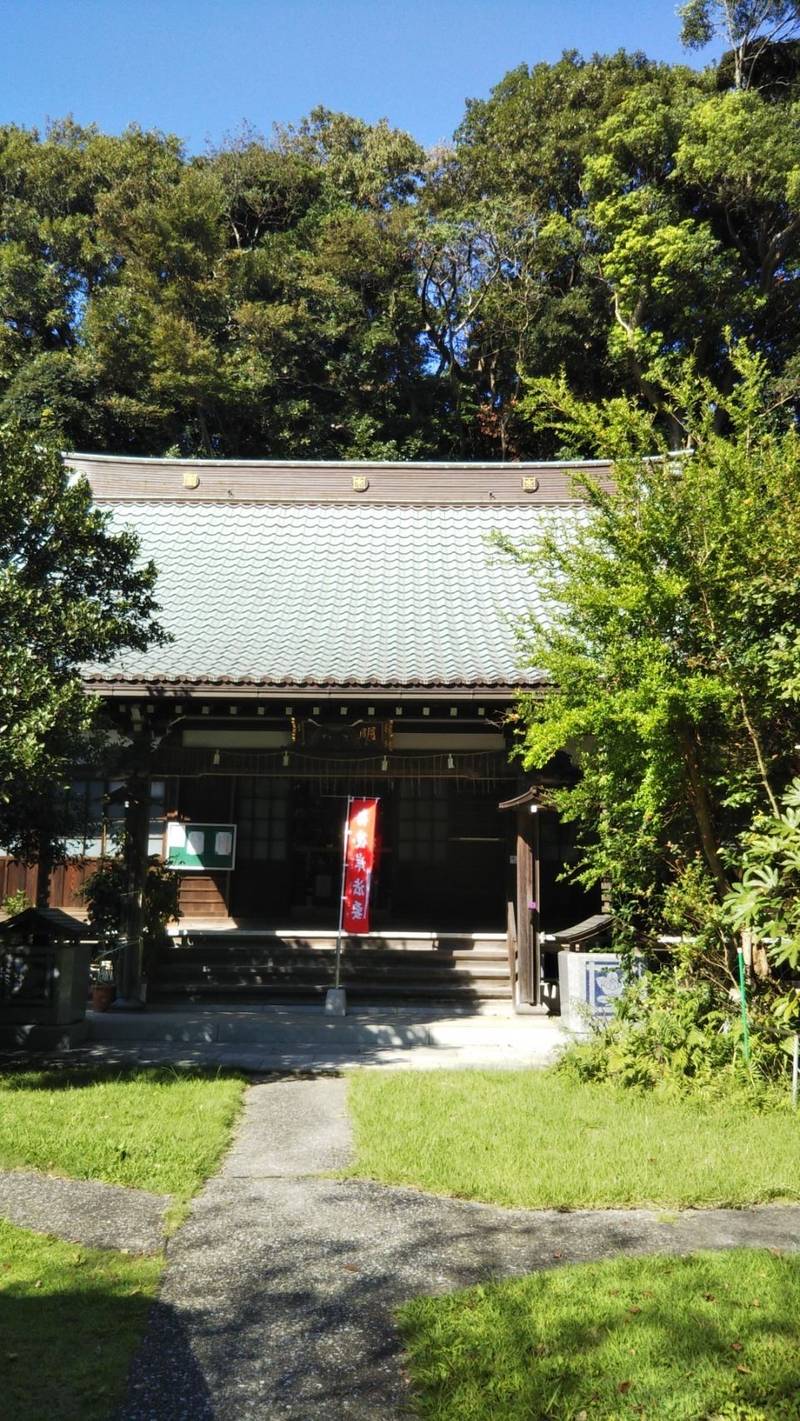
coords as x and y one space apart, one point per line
335 629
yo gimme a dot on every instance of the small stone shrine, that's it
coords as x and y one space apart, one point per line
44 980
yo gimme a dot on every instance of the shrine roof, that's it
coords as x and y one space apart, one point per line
276 593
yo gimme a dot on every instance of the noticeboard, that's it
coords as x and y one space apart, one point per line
198 848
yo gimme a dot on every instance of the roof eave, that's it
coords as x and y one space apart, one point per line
215 690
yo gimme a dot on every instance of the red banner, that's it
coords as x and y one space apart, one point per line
359 863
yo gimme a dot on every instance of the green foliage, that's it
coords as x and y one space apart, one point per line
616 215
337 292
749 26
105 893
258 300
509 285
680 1031
15 903
672 646
766 902
71 592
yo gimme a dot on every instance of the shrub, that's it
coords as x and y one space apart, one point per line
15 902
105 894
677 1030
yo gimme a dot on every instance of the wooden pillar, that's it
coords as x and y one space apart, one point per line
524 903
526 979
511 904
528 908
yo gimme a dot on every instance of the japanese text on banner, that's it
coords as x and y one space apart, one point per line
359 863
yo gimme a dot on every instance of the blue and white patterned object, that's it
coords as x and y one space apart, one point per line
604 985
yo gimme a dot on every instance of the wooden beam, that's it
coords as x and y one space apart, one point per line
528 909
525 937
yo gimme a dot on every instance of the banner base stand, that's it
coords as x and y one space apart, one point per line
336 1001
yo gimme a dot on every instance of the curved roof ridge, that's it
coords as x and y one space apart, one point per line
75 455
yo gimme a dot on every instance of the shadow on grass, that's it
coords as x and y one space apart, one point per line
699 1349
302 1279
28 1075
73 1354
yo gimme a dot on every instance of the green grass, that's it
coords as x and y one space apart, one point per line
147 1128
693 1339
535 1139
70 1319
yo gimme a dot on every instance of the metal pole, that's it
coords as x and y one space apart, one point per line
137 820
795 1064
337 982
743 995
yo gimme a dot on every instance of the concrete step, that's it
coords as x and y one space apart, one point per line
260 965
231 930
301 952
292 992
258 941
308 1029
305 969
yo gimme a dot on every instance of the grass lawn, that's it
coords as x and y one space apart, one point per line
70 1318
149 1128
535 1139
715 1337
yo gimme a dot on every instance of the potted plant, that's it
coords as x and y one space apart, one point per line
102 989
105 893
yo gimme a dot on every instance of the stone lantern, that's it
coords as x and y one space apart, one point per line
44 980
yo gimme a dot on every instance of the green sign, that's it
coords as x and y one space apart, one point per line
201 847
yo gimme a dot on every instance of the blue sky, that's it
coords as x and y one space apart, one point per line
199 69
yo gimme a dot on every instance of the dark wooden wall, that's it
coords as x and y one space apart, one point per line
66 882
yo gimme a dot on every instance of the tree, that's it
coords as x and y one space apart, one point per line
694 206
71 593
611 217
673 648
508 281
750 27
332 291
258 300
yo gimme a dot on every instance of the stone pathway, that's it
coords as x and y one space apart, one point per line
84 1211
279 1293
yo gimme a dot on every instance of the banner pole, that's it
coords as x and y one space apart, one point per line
337 981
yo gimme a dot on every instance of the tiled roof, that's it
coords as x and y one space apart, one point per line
350 595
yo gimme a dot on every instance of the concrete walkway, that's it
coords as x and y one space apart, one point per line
269 1037
279 1292
84 1211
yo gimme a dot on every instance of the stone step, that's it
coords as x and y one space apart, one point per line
370 958
222 951
263 965
294 991
324 964
261 942
258 978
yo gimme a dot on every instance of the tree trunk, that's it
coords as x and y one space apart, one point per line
701 806
44 870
